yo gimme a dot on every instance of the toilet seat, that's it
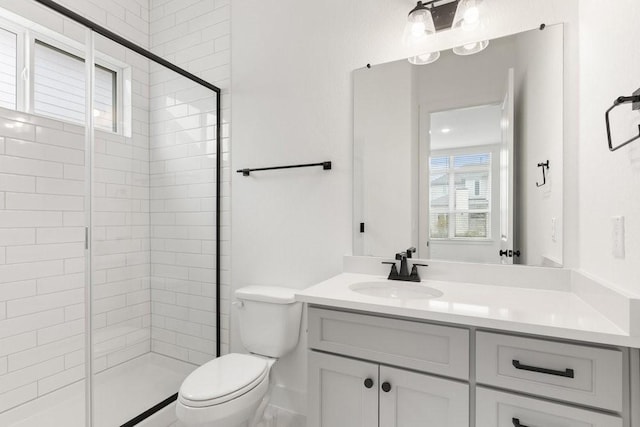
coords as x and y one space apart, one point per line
223 379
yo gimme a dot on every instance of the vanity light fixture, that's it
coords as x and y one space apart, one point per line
426 18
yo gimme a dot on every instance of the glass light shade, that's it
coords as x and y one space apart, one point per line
471 48
419 26
469 15
424 59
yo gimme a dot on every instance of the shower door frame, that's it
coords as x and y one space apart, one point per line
98 29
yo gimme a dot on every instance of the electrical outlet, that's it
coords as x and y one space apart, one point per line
617 236
554 236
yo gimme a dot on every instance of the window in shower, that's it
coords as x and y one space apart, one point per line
51 80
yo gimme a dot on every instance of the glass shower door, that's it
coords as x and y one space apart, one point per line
153 286
42 217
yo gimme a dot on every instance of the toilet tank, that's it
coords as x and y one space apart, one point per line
269 319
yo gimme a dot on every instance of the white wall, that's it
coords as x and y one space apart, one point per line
292 88
609 182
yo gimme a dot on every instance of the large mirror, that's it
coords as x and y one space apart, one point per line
462 158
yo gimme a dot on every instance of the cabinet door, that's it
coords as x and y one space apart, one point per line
418 400
338 395
499 409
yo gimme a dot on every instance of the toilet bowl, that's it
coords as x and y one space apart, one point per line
233 390
225 392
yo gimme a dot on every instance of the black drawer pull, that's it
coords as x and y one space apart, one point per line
568 373
516 423
386 387
368 383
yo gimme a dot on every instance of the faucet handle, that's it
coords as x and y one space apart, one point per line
414 271
410 251
394 270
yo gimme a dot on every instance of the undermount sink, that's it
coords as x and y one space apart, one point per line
395 290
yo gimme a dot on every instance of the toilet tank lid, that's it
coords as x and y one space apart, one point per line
272 294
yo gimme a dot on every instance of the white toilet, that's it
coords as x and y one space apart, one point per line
232 390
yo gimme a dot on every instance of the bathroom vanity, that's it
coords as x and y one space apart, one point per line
472 355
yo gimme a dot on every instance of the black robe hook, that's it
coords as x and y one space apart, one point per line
544 166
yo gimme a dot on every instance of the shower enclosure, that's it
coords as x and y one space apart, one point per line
109 216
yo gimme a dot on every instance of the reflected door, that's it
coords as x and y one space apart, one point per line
506 170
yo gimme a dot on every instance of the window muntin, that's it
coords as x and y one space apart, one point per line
460 196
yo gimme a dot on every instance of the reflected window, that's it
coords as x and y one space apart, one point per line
460 196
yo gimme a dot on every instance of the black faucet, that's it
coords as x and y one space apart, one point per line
404 274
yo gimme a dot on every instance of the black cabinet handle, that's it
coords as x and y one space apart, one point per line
368 383
567 373
516 422
386 387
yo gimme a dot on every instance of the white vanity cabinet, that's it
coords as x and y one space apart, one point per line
368 370
344 392
349 392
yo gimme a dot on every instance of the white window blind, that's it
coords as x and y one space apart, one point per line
8 69
104 102
58 84
460 196
59 88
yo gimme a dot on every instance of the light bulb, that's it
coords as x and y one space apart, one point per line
471 19
417 29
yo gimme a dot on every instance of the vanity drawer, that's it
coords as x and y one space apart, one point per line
575 373
420 346
500 409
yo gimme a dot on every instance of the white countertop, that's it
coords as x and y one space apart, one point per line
552 313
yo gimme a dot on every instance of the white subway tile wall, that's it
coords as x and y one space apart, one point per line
41 257
194 34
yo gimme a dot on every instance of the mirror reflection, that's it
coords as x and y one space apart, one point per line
446 155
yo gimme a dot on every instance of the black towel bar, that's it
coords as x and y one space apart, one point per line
247 171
